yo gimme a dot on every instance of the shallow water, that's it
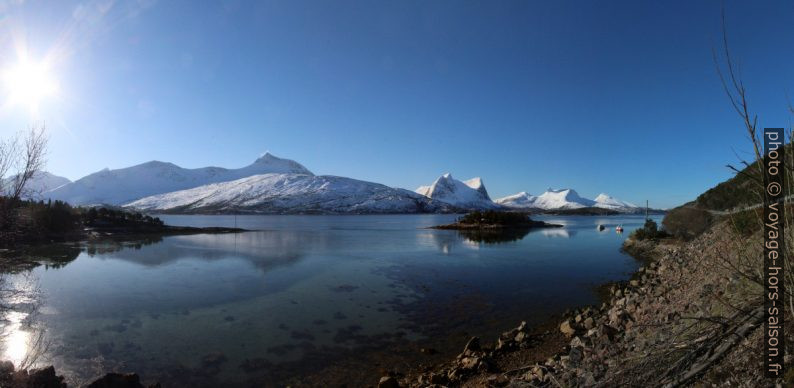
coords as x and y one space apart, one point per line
297 295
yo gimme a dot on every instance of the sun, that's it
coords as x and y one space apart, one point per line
28 83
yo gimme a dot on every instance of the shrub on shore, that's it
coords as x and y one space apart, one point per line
687 222
649 231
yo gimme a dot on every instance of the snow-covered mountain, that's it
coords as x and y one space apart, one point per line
116 187
40 182
470 194
522 200
563 199
607 202
292 193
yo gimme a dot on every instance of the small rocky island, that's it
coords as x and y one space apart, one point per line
496 221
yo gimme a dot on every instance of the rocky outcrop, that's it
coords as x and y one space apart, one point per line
47 378
119 380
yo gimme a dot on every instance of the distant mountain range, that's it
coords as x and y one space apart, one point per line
564 199
121 186
274 185
40 183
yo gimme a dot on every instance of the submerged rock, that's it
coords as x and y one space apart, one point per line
388 382
118 380
45 378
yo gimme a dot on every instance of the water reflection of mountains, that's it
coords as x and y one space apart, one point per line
491 236
265 249
471 239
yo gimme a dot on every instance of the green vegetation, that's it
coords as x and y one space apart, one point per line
687 222
32 221
743 190
104 217
495 218
649 231
747 222
740 191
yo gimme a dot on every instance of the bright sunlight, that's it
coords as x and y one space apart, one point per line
28 83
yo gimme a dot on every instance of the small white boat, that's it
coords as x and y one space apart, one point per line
619 229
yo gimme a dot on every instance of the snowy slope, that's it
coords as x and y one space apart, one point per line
562 199
470 194
607 202
522 200
549 200
124 185
41 182
292 193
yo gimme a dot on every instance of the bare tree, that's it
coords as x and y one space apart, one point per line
29 161
8 149
23 156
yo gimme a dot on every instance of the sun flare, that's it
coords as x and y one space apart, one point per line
28 83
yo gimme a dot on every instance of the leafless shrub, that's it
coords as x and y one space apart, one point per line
24 155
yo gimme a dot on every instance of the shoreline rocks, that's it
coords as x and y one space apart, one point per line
46 377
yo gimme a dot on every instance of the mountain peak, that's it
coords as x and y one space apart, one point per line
469 194
603 196
606 201
267 156
280 165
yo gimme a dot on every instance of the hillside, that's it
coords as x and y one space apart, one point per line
693 218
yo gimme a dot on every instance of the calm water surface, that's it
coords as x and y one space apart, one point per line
299 294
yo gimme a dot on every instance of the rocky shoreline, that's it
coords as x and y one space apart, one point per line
657 329
47 378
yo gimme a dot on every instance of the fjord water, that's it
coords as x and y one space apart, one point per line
299 294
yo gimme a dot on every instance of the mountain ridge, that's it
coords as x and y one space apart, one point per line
120 186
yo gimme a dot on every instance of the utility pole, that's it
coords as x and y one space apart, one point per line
646 209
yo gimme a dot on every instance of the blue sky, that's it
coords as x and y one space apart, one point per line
620 97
